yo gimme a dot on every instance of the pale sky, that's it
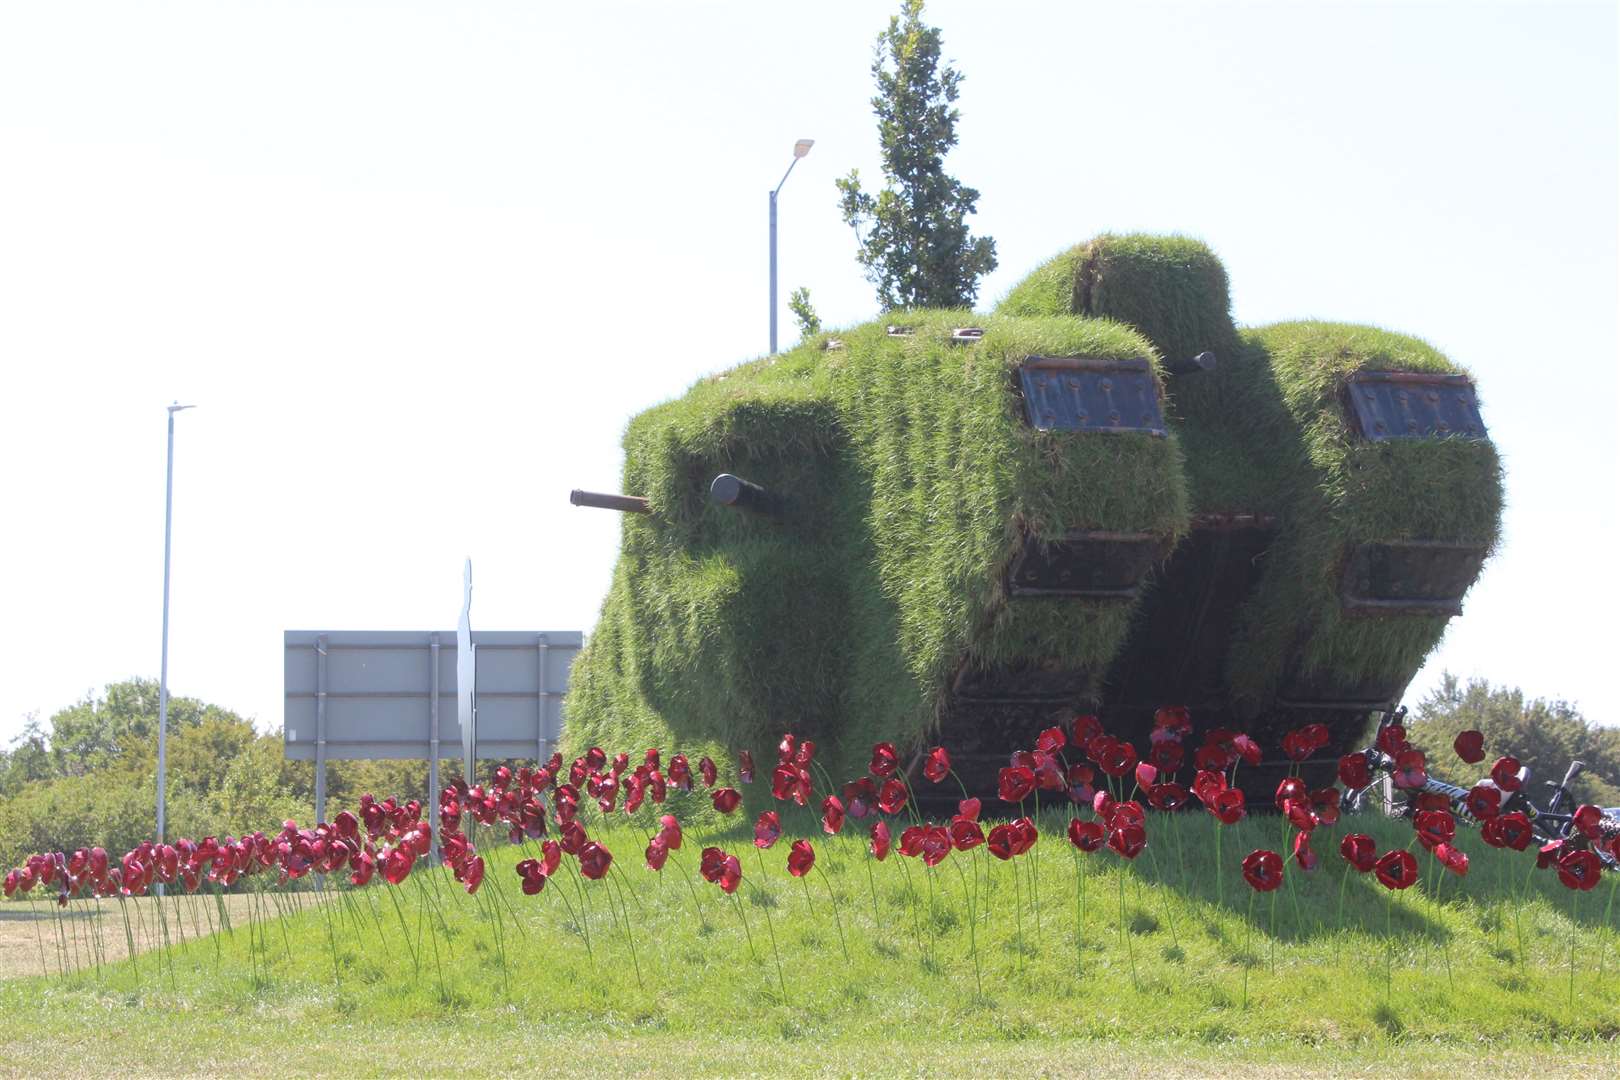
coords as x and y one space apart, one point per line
417 264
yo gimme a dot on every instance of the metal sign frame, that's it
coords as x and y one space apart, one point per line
394 695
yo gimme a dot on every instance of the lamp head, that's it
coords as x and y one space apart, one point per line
802 147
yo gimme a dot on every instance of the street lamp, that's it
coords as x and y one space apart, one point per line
800 148
163 671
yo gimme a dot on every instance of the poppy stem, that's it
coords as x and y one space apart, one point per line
1608 931
1169 911
1271 933
405 930
1248 941
746 933
973 930
1389 947
628 936
1079 909
1574 901
770 927
33 912
1338 941
1220 878
1018 906
1518 907
697 907
1130 946
871 884
838 920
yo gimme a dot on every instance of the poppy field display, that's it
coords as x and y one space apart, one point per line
1106 889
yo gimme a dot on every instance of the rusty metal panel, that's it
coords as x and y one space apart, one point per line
1076 393
1418 577
1414 405
1102 565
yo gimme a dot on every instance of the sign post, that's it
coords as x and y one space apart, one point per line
466 678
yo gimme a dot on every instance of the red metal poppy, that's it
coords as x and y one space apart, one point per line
785 748
730 874
1048 773
594 860
1299 814
1296 745
1127 839
471 875
1118 758
1213 757
1325 804
533 880
936 844
801 857
573 837
657 854
1079 778
1173 718
1580 869
707 770
911 841
968 808
1505 774
1015 784
711 863
1291 787
937 766
1208 784
965 833
1434 827
1086 728
669 831
1303 855
1051 740
1228 806
767 830
1024 835
1588 821
832 815
1550 853
892 797
1167 756
1360 851
880 840
1263 870
362 864
1484 800
396 866
1169 796
884 760
1411 769
1392 739
745 766
1000 841
680 772
1088 836
1511 830
1470 746
1246 748
726 799
1146 775
1452 859
805 754
1121 812
1396 869
1102 804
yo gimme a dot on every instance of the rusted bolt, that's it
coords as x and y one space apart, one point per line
1107 384
1113 418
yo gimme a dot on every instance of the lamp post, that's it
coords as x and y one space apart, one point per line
163 671
800 148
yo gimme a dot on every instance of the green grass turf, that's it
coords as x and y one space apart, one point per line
912 476
1477 979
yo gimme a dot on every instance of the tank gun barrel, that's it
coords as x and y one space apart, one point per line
629 504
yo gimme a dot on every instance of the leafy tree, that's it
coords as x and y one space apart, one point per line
799 304
1545 735
916 247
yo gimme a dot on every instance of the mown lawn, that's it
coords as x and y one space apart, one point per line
1477 979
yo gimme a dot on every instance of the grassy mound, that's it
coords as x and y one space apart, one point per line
438 985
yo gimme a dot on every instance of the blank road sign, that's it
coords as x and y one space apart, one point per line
392 694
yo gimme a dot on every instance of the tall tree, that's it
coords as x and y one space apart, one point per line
914 239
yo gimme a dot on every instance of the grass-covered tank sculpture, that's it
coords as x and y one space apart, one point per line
1101 497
